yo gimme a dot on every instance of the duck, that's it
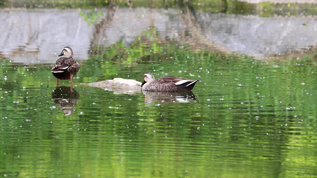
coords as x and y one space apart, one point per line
66 66
167 84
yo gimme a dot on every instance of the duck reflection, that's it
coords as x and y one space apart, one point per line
66 99
169 97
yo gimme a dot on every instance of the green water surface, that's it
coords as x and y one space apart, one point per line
247 118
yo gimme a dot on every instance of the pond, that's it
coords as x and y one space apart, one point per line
252 113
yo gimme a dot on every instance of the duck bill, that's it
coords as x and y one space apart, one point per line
143 83
60 55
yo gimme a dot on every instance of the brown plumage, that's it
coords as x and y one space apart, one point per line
167 84
66 67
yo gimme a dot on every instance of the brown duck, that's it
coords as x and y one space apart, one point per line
66 67
167 84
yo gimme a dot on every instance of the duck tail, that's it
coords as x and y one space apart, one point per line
192 83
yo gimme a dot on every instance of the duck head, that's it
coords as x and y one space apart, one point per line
148 77
67 51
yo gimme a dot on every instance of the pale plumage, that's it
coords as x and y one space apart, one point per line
167 84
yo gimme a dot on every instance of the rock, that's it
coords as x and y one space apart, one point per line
118 85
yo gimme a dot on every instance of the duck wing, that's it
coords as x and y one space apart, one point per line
169 79
170 84
65 64
73 69
176 81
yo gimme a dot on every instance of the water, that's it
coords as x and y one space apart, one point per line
245 117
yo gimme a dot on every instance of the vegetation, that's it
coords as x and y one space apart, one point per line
92 17
215 6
